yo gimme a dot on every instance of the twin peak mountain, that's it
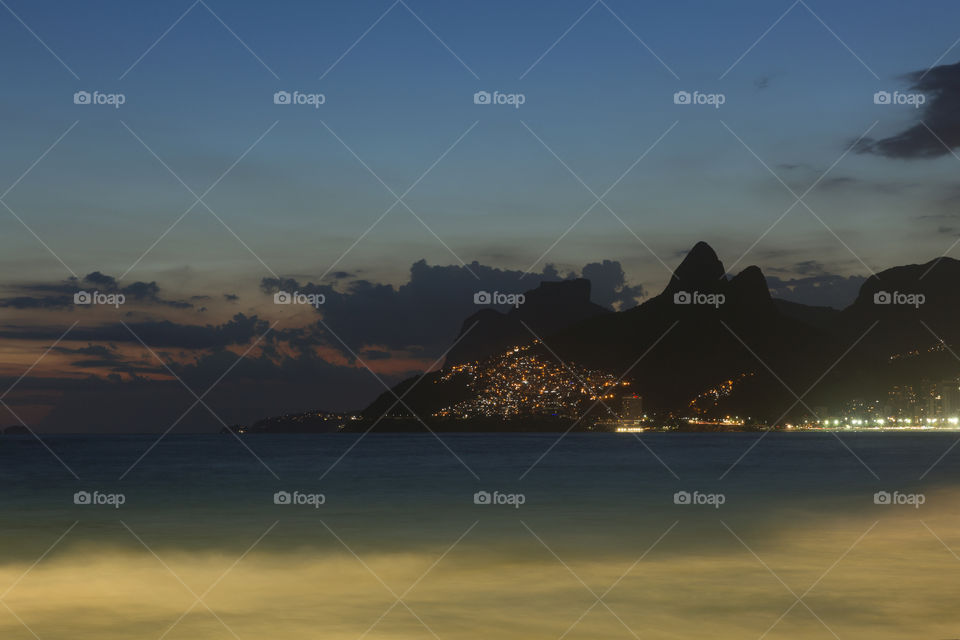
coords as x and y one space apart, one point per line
552 307
706 328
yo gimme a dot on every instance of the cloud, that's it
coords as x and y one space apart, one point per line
835 182
424 314
609 286
241 329
809 268
37 302
101 351
60 295
937 132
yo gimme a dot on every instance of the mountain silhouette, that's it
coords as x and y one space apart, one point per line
899 325
674 346
550 307
700 270
702 329
706 329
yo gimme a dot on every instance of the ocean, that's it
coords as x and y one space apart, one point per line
803 535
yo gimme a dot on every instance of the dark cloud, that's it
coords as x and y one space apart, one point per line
939 118
609 286
37 302
240 329
101 280
105 363
424 315
97 356
834 182
60 295
809 268
101 351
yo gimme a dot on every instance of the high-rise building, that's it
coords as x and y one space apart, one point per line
949 392
631 408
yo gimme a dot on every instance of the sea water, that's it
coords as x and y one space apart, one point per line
480 536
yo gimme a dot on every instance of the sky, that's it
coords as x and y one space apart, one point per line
399 196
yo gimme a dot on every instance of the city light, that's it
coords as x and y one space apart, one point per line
522 381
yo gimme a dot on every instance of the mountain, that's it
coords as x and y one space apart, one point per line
550 307
821 317
702 330
909 307
700 270
15 430
677 344
707 341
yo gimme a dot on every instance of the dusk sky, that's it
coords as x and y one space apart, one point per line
291 194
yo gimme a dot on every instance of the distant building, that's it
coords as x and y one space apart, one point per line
631 408
903 403
949 392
